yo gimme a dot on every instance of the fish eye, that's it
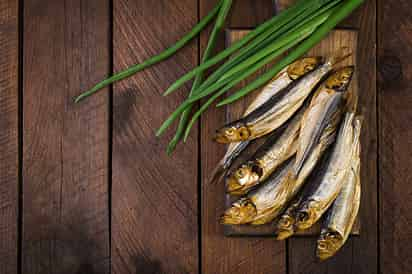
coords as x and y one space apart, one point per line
244 133
230 131
284 222
240 173
308 67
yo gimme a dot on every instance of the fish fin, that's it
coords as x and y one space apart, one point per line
339 56
218 174
352 100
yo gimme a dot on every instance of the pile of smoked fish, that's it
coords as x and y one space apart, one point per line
309 165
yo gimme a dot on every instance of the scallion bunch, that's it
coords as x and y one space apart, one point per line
296 29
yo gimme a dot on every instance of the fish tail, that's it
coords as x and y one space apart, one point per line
352 100
218 174
339 56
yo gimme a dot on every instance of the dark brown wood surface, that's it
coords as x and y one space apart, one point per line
395 131
87 188
9 145
154 198
65 224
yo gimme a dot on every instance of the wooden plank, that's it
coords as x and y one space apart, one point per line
221 254
336 40
359 255
154 199
9 145
65 162
394 67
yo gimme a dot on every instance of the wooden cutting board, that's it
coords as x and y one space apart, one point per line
335 40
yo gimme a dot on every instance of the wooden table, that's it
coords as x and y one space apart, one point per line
87 188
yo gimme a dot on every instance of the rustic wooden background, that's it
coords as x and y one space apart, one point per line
87 188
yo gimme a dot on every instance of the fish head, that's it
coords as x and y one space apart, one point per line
243 178
231 133
328 244
307 215
241 212
340 79
303 66
285 227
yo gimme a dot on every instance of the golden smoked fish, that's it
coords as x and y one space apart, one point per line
267 158
285 226
325 109
283 79
328 185
263 204
342 214
277 109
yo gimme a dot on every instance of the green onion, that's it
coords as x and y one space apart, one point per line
282 17
187 103
220 21
222 91
340 13
264 40
292 35
284 44
155 59
297 35
241 55
229 82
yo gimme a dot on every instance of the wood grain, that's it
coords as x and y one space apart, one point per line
359 254
154 198
9 145
395 131
335 40
221 254
65 162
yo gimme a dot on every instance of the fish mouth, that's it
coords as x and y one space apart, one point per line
302 218
285 228
305 218
328 244
286 222
221 138
283 234
241 183
341 79
241 212
234 187
303 66
234 132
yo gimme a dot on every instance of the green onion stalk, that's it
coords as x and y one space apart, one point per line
222 91
272 24
250 66
220 21
262 40
155 59
187 38
342 11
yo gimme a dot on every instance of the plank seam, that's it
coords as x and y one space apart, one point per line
20 137
199 166
110 127
378 177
